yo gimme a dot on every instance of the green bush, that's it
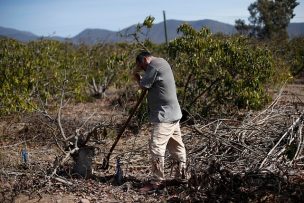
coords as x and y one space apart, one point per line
38 71
214 72
16 76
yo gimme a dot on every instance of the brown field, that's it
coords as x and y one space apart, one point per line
19 184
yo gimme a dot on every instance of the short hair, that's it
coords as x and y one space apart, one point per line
140 57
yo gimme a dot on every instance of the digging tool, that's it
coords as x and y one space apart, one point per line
105 164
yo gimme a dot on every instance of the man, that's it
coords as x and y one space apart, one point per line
164 114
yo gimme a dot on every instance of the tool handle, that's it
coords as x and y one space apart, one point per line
106 160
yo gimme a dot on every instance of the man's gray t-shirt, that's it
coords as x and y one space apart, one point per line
162 99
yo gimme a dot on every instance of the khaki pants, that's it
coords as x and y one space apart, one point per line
167 135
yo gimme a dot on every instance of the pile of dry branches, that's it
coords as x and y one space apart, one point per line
258 158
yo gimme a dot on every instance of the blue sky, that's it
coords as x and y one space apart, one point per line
67 18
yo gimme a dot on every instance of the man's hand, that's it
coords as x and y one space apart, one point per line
137 77
136 74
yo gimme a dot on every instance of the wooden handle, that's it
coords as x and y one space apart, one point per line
105 164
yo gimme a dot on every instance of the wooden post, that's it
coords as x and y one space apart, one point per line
165 26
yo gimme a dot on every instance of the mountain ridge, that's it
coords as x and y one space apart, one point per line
155 34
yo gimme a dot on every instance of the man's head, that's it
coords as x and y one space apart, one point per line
143 59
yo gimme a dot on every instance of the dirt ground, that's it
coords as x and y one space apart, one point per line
20 184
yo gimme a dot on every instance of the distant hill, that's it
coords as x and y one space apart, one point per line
156 34
295 29
24 36
17 34
92 36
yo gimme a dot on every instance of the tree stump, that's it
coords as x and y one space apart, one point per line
83 162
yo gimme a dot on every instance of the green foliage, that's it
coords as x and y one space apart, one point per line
148 22
212 72
16 83
288 56
215 72
268 19
36 73
39 71
55 63
294 55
